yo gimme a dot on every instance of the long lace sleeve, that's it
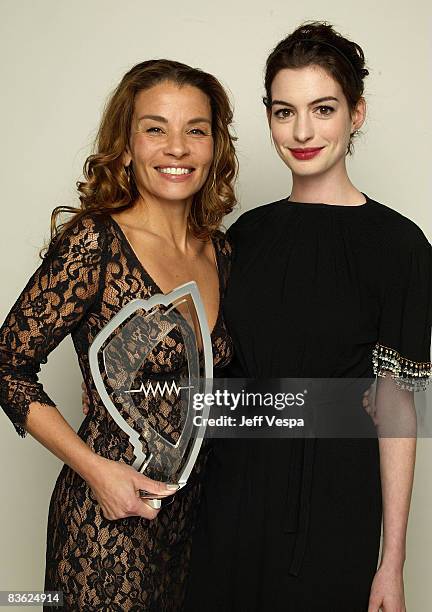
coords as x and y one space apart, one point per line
55 299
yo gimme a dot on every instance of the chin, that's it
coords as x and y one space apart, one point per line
305 171
175 196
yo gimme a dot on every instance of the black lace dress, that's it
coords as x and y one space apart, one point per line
130 564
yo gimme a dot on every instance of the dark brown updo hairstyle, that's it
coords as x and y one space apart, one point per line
317 43
108 186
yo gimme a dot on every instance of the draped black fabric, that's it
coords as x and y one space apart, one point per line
128 564
321 291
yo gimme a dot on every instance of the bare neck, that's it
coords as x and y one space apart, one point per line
332 187
167 220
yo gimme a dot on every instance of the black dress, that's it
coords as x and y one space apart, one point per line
323 291
130 564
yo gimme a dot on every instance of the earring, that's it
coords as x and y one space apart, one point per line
213 183
128 173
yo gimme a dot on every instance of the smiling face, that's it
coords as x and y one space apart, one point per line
171 142
310 120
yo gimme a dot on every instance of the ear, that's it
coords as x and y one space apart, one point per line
358 115
269 114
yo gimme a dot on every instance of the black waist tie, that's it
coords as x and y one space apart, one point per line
299 498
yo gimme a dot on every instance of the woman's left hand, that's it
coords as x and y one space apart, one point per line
387 591
368 402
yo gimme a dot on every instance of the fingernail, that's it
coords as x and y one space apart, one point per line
172 487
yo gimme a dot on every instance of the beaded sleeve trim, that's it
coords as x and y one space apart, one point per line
410 375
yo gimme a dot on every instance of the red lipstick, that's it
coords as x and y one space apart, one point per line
307 153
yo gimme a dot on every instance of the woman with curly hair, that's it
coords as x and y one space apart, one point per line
154 194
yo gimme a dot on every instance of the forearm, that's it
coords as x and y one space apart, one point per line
114 483
397 460
47 425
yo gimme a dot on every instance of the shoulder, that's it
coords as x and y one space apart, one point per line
397 231
84 239
253 219
222 243
92 225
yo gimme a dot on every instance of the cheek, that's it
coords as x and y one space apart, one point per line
336 130
145 150
205 153
280 133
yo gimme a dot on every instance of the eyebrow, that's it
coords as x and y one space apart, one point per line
324 99
165 120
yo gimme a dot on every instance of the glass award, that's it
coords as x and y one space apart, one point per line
147 364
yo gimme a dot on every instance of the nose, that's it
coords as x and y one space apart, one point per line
177 144
303 127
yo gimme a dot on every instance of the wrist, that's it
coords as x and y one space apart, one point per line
393 561
91 467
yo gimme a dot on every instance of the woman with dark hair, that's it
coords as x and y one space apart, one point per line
154 195
325 283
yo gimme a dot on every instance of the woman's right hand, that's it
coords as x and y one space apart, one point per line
116 487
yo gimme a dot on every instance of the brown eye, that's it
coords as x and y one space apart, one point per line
282 113
198 132
325 110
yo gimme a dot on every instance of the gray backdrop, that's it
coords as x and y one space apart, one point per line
59 61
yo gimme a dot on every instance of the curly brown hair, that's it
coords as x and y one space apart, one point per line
108 186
